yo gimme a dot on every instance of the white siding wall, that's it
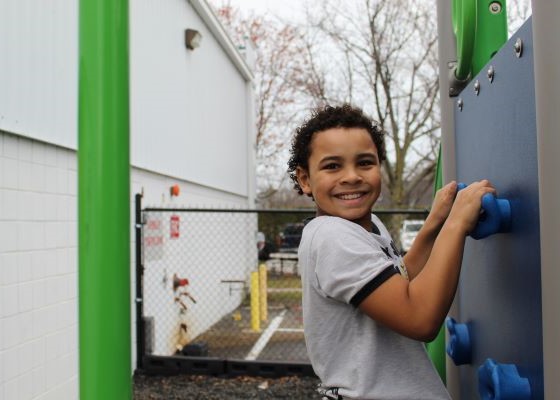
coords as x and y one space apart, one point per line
188 110
39 69
189 114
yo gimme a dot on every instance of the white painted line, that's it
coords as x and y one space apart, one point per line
265 337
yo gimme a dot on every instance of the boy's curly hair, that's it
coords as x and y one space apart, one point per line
322 119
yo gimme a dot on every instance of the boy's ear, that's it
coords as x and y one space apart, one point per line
303 180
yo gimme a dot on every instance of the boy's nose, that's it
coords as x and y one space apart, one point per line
351 176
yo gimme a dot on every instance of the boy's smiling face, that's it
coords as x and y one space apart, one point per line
344 174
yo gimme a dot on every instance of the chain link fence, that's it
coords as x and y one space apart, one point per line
219 288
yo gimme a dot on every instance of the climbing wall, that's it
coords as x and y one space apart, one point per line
500 286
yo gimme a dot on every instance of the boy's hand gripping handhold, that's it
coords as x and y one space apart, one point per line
494 218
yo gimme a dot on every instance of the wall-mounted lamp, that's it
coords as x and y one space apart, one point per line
192 38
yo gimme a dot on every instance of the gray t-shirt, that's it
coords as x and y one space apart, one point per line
352 354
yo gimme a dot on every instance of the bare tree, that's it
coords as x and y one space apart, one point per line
382 57
376 54
517 13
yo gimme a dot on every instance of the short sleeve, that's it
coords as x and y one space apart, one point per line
349 262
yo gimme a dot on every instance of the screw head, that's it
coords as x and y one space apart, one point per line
477 87
518 47
495 7
490 73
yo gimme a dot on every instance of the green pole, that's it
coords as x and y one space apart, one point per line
436 348
104 201
491 31
464 27
480 28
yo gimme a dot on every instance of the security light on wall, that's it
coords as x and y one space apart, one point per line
192 39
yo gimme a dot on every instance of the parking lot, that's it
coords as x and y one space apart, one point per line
280 337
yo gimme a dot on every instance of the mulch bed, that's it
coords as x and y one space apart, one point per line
194 387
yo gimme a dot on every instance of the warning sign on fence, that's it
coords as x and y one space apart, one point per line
174 227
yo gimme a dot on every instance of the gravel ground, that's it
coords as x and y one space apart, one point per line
195 387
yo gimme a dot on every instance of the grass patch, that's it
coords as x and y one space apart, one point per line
286 299
284 281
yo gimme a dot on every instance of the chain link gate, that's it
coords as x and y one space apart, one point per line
218 291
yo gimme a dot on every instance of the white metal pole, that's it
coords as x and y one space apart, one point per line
546 45
448 54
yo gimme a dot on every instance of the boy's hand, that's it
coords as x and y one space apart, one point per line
466 208
433 267
443 201
421 248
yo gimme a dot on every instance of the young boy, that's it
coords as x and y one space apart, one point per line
365 311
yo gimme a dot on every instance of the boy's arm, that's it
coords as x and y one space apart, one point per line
418 255
416 309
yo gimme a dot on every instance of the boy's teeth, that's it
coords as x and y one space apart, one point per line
350 196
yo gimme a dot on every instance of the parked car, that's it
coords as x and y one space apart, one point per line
290 236
409 230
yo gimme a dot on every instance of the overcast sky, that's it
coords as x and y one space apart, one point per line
291 8
281 8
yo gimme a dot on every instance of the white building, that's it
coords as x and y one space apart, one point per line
191 125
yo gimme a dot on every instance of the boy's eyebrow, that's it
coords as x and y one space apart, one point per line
371 156
330 158
367 155
337 158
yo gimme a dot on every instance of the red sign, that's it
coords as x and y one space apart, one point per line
174 227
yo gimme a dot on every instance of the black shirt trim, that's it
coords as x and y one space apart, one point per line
372 285
375 229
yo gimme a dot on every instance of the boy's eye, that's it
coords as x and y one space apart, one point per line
367 162
330 166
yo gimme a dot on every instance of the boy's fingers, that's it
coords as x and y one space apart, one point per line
487 187
476 190
449 189
483 185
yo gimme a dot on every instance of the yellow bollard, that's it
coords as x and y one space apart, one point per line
255 320
263 293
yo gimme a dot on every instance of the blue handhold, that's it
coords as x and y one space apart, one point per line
459 345
495 218
502 382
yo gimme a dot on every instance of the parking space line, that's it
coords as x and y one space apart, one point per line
265 337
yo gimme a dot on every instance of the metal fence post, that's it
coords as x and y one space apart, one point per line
140 333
